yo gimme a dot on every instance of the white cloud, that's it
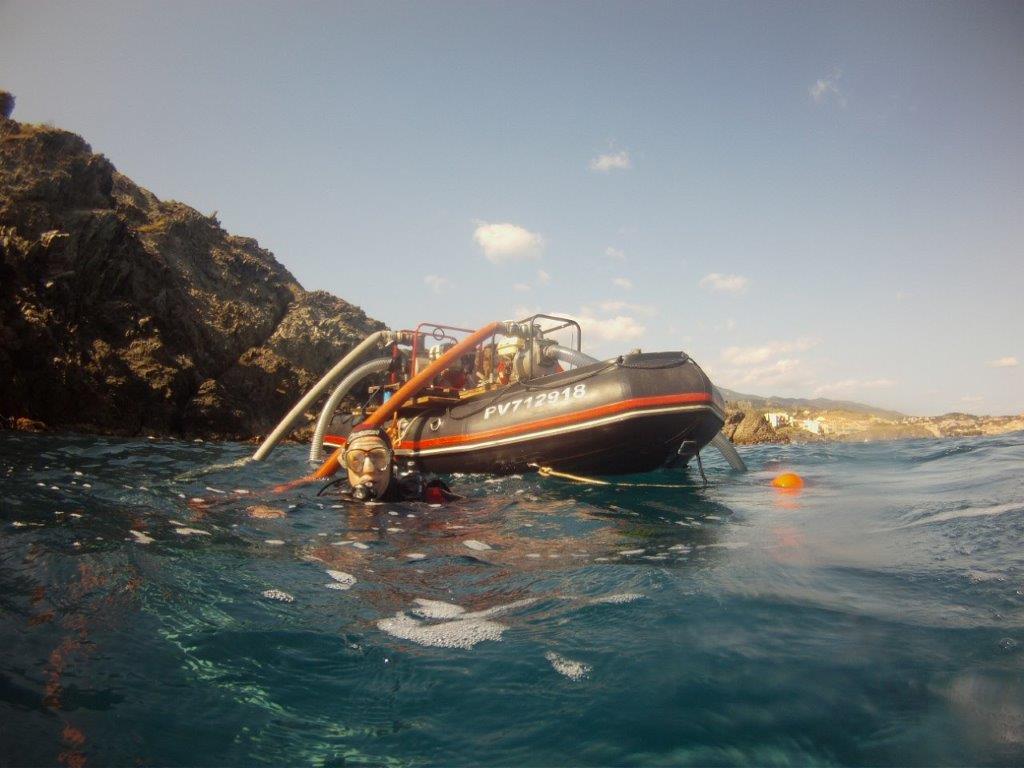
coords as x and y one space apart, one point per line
1003 362
522 288
622 282
719 283
779 367
774 364
827 88
437 283
617 254
787 372
507 242
521 310
972 399
852 385
617 328
615 161
606 323
765 352
618 306
543 277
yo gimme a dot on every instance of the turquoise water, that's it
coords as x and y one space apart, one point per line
876 618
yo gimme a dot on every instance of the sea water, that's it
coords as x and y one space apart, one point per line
163 605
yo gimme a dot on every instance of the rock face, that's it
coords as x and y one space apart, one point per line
750 428
124 314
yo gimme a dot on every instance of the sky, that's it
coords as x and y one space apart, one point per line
811 199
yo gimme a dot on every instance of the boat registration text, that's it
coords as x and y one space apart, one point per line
541 400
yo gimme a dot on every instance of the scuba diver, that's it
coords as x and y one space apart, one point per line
371 474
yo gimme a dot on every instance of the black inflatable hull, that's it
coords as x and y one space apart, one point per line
633 414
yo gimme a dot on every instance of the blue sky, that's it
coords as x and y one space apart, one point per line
811 199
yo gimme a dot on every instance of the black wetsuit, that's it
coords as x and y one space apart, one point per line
411 487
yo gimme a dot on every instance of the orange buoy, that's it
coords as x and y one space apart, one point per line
789 481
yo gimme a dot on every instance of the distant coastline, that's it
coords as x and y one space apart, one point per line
753 420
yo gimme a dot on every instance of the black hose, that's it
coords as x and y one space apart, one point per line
336 481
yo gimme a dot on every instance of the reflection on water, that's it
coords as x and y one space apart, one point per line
161 606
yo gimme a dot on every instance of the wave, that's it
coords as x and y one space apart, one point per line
956 514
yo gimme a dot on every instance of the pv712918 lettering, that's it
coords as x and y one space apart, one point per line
540 400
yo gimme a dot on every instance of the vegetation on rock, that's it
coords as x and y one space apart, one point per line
121 313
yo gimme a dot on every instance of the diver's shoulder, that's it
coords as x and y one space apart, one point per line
418 486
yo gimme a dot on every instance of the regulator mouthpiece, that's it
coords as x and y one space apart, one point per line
364 492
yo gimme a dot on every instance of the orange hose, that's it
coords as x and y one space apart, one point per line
410 388
417 382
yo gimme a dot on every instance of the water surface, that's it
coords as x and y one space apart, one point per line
149 618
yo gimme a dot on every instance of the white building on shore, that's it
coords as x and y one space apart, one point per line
778 419
814 426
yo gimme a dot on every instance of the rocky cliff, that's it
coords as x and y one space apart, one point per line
748 427
124 314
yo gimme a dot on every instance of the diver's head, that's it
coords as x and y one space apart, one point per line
368 459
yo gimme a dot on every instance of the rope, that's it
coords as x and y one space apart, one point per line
549 472
700 466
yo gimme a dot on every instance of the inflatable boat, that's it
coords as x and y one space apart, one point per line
514 396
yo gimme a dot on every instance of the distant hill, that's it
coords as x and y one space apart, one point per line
845 420
812 404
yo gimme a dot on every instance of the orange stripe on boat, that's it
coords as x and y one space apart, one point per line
557 421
